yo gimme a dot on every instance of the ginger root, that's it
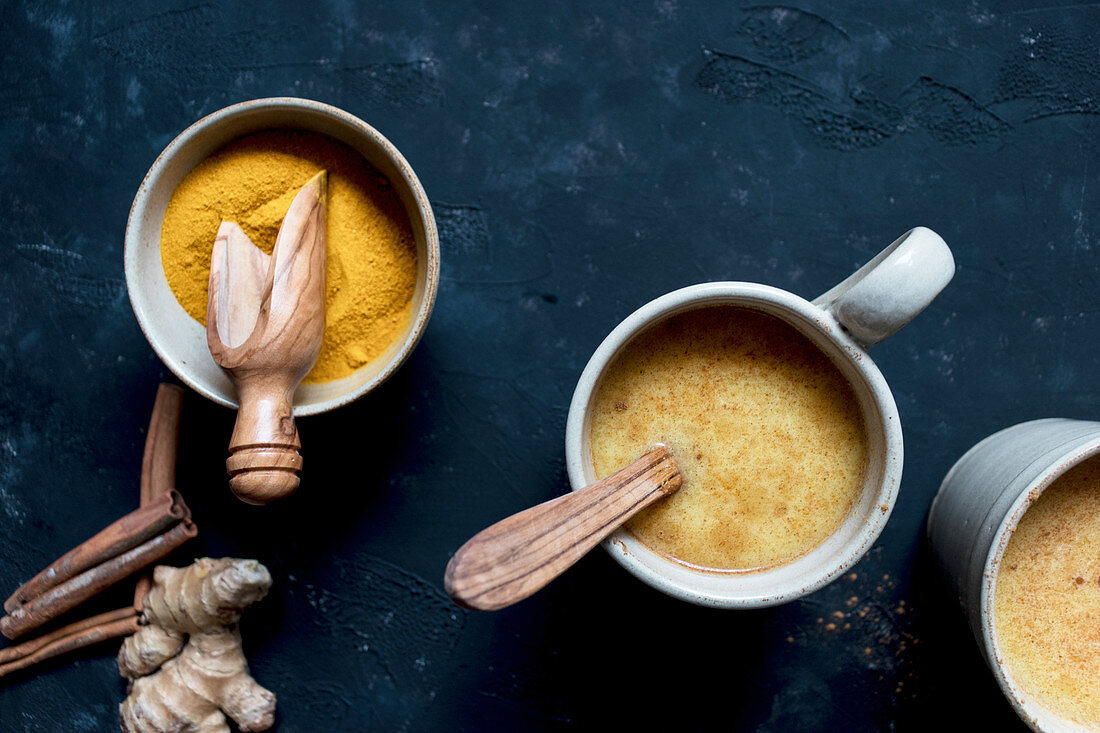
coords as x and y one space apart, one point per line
195 608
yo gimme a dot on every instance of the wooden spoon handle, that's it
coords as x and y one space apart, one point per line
519 555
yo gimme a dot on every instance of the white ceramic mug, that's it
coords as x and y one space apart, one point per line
868 306
978 506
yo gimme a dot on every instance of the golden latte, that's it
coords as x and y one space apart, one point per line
1047 600
768 433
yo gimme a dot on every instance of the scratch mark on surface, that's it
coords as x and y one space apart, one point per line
788 34
189 39
401 83
405 626
9 475
1055 74
1054 8
466 243
731 79
949 115
464 238
61 271
492 452
859 121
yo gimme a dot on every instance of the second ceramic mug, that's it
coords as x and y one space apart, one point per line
980 503
871 304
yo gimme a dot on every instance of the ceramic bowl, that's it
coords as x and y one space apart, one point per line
178 339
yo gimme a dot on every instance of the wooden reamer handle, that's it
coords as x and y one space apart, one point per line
519 555
265 460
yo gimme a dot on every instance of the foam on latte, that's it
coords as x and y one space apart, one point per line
768 433
1047 599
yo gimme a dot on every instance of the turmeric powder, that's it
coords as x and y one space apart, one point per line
371 255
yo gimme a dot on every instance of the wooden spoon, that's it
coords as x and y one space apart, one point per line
519 555
265 318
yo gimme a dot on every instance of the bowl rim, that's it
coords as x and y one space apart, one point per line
132 243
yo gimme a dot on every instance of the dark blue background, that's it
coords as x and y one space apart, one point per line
582 158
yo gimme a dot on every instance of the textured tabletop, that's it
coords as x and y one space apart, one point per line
581 159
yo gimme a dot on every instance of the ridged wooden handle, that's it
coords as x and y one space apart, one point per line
265 460
519 555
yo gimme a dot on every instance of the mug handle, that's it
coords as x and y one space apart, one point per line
890 290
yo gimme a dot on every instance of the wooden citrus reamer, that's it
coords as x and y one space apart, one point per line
265 318
520 554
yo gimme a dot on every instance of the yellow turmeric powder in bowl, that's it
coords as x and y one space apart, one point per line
371 266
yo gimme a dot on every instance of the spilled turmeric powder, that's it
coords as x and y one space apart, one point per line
371 254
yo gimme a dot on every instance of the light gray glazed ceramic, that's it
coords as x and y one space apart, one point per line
868 306
978 506
178 339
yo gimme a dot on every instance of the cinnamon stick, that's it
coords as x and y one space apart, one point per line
142 538
80 588
144 585
158 463
122 622
119 537
19 651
